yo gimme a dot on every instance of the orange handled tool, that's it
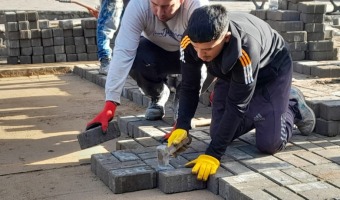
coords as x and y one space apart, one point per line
92 11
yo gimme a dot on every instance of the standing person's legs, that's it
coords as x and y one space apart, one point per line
107 24
150 69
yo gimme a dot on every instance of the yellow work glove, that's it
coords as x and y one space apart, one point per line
177 136
204 166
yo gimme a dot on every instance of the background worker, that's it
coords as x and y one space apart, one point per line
107 26
253 90
147 48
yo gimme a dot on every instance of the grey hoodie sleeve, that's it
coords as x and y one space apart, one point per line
126 45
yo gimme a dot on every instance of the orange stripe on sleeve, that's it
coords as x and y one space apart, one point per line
244 53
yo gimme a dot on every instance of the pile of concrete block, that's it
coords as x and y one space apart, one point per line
302 25
30 40
3 50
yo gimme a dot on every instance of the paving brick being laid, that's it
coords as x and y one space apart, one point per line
95 136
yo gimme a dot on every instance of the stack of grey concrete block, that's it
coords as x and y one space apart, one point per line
302 25
30 40
3 49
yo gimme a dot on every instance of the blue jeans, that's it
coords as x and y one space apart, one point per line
107 24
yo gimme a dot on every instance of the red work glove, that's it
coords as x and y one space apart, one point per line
103 117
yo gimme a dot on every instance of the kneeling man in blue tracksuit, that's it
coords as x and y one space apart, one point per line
253 89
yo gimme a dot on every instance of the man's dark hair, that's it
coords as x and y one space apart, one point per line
208 23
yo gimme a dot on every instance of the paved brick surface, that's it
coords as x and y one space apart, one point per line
308 165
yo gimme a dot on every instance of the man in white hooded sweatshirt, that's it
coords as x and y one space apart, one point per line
147 48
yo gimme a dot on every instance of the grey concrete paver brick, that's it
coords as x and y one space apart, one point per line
148 155
252 151
125 156
81 56
179 180
316 190
201 135
148 141
32 16
237 154
36 42
312 18
315 27
300 175
153 163
95 136
95 158
123 122
232 187
327 171
152 131
293 160
312 7
213 181
68 33
57 41
77 31
71 57
12 26
10 17
14 35
280 177
324 144
313 36
191 156
236 168
312 157
265 163
25 59
335 182
254 194
178 162
47 42
199 146
282 193
104 168
330 110
90 32
132 179
37 59
66 24
331 154
60 58
295 36
25 34
283 15
307 145
143 150
127 144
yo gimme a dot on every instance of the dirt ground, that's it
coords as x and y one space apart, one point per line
40 157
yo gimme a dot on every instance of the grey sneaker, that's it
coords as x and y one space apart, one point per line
104 66
155 110
307 123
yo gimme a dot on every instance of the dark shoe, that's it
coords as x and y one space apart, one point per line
307 122
155 110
